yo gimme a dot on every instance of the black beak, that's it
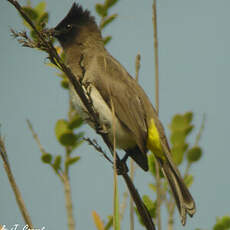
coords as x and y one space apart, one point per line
53 32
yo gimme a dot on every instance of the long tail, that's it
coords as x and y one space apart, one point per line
183 198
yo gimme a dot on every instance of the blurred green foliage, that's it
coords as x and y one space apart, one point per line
38 15
102 10
222 223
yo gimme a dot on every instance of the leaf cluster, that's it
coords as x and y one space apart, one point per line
38 15
68 137
102 10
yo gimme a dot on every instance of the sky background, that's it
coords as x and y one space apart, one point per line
194 56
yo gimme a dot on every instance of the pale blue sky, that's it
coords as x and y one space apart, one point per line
194 53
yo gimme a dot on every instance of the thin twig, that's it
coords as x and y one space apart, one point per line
156 56
98 148
158 191
132 166
131 206
14 186
42 149
54 57
66 180
116 222
171 208
158 180
123 205
137 66
69 204
35 136
200 131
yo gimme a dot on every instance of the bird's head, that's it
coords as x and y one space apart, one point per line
75 23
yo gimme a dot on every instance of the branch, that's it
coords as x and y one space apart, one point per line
131 208
132 165
156 56
158 179
64 179
54 57
98 148
14 186
123 205
137 66
35 136
42 149
69 205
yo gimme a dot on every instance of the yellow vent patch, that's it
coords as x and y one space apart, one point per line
153 141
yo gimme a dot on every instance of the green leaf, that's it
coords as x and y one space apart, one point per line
107 39
30 12
65 84
101 10
61 127
76 122
177 122
178 153
65 135
76 145
46 158
57 162
177 138
222 223
107 21
40 8
226 222
72 160
151 206
153 187
188 180
109 223
139 217
188 116
43 19
68 138
188 129
151 164
110 3
181 122
79 136
194 154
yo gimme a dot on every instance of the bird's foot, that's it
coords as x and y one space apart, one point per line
101 130
121 166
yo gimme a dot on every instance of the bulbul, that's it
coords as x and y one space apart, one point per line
111 88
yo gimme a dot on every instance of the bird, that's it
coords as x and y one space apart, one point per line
119 101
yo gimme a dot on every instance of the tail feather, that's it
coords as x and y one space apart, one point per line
139 157
183 198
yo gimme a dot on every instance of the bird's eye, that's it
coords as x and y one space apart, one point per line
69 27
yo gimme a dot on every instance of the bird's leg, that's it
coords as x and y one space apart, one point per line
121 166
101 129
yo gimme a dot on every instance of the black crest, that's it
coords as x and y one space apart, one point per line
76 16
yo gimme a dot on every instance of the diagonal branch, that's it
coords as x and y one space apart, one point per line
14 186
54 57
